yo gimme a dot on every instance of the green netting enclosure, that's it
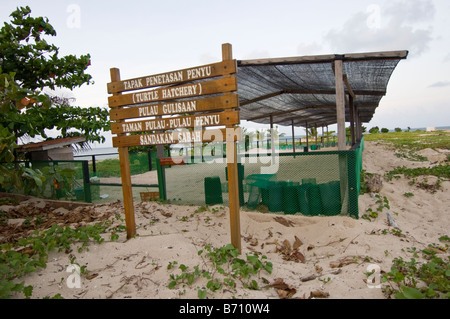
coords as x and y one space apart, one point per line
321 183
314 179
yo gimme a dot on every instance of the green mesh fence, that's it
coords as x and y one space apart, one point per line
309 183
97 180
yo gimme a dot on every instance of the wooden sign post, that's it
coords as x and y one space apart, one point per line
161 111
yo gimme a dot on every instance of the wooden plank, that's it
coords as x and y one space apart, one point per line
177 122
261 98
223 102
126 177
232 169
340 104
175 137
174 77
175 92
386 55
348 86
289 60
169 161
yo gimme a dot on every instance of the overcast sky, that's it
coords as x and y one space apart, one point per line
150 37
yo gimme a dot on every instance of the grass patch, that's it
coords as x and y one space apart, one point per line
420 280
413 140
440 171
111 167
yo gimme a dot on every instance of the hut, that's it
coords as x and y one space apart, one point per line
60 149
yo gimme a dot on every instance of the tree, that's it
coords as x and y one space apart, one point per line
398 129
10 175
374 130
384 130
36 66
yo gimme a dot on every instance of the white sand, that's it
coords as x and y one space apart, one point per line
137 268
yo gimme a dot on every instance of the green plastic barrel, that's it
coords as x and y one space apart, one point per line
253 197
302 193
213 191
290 198
330 194
276 197
308 181
265 196
314 200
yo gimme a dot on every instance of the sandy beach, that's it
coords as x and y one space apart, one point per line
311 256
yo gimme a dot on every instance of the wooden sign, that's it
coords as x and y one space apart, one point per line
177 122
177 137
222 102
174 77
179 93
175 92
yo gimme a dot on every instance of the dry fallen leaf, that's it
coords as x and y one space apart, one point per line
298 257
318 294
284 290
91 276
283 221
297 243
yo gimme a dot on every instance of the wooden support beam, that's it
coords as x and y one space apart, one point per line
349 88
315 132
291 111
293 136
351 107
232 169
340 104
272 137
125 175
307 139
263 97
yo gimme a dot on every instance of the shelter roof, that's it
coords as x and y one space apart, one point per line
301 89
51 144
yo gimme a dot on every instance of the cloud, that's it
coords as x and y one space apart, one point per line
399 25
309 48
440 84
447 58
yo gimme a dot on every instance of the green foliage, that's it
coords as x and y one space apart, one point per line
31 253
226 268
111 167
440 171
413 140
28 65
374 130
48 182
382 202
35 62
416 280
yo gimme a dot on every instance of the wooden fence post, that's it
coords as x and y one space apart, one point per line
125 174
233 185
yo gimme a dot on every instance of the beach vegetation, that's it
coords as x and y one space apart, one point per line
222 267
414 279
30 254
